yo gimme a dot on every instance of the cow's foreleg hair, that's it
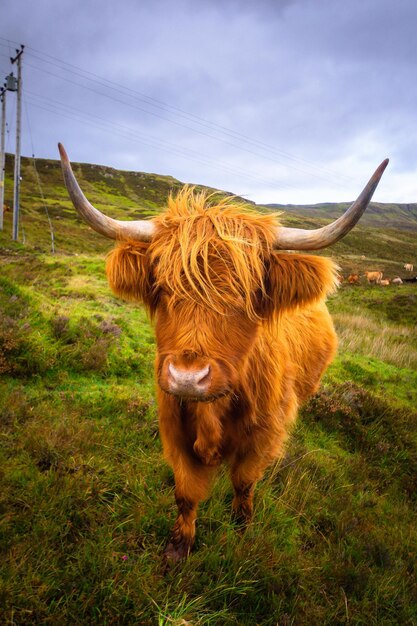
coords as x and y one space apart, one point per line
248 466
245 472
192 483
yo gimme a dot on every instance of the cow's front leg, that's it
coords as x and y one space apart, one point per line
182 535
192 481
245 472
250 462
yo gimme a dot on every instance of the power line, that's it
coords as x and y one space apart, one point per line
301 164
136 137
189 116
200 132
161 144
38 180
177 116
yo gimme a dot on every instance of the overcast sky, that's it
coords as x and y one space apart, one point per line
286 101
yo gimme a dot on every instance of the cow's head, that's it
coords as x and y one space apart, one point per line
210 273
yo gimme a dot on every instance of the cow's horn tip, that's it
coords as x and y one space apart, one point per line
62 151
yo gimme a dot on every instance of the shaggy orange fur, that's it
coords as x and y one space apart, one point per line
225 303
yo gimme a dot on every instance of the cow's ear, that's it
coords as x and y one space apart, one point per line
294 280
128 272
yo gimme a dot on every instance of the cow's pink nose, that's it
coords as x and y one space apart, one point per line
188 381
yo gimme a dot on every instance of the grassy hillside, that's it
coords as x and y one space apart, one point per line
86 501
43 192
122 194
378 215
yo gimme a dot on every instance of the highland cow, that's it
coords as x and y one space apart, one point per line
353 279
373 277
243 332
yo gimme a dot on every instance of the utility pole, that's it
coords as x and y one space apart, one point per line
18 59
9 85
2 152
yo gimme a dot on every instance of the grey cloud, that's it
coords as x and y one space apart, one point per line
282 91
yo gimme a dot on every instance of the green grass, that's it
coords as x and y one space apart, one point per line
86 501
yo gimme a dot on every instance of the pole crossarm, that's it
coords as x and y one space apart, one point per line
18 54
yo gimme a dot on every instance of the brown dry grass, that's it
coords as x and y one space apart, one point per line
359 332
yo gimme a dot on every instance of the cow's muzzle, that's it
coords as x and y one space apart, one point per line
199 379
188 381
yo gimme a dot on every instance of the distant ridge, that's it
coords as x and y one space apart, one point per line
378 214
148 193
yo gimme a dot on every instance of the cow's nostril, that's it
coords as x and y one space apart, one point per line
174 373
200 375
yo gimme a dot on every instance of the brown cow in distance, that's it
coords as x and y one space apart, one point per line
243 332
353 279
373 277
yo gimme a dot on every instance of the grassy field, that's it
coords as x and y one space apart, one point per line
86 501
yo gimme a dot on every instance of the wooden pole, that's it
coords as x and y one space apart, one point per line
16 194
2 154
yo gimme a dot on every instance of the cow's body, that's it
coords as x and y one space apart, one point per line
253 319
373 277
281 369
408 267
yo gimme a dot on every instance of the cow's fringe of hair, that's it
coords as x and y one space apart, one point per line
212 251
217 254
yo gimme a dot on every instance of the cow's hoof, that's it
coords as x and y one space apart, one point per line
176 551
241 519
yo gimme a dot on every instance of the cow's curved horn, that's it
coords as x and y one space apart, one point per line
138 230
300 239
